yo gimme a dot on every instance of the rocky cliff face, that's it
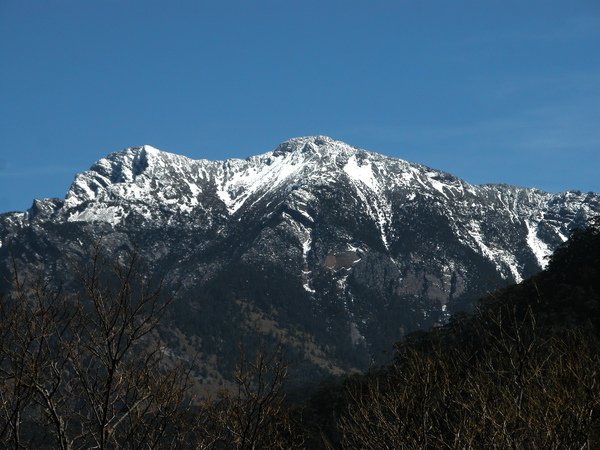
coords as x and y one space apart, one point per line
337 250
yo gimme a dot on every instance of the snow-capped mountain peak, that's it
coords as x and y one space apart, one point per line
146 182
315 231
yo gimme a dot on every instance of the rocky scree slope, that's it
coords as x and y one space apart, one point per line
336 250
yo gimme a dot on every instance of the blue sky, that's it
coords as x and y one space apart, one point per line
491 91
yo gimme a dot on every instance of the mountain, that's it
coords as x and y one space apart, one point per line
335 250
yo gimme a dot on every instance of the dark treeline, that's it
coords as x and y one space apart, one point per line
85 369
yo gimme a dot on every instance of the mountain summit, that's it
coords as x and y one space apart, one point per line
336 249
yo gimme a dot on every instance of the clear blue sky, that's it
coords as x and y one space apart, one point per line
490 91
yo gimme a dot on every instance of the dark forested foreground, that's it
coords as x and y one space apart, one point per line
86 369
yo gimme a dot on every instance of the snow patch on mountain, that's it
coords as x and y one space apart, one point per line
540 249
504 260
369 188
361 173
110 214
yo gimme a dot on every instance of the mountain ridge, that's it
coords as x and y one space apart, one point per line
294 163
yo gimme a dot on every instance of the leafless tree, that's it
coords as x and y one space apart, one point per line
252 414
524 387
85 368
